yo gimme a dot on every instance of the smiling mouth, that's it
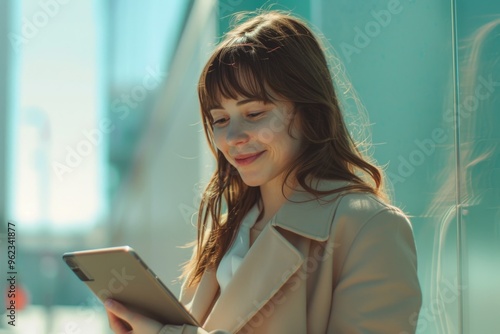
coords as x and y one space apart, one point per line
248 159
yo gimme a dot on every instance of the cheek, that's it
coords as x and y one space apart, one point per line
266 136
219 139
292 147
273 131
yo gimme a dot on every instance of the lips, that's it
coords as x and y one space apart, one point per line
246 159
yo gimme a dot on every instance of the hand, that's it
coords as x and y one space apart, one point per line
124 321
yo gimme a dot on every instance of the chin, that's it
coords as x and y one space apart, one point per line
252 182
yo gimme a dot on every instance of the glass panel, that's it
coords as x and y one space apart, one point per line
399 57
479 168
137 63
58 165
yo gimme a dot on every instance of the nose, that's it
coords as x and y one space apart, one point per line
236 133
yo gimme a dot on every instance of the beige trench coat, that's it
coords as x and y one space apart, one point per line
347 266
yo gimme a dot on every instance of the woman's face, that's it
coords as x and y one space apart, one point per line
253 136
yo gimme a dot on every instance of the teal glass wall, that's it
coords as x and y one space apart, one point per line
399 55
478 161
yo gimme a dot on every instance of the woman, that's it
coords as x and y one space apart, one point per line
307 243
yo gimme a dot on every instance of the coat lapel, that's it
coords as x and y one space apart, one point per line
266 267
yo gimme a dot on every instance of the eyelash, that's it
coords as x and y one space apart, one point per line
219 121
251 115
255 114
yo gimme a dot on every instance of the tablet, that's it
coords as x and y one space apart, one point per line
120 274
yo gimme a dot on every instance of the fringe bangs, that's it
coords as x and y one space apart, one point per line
235 70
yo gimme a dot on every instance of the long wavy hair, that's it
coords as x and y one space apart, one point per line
273 56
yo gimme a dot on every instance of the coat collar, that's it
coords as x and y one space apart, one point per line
297 213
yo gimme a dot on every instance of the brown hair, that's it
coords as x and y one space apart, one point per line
273 56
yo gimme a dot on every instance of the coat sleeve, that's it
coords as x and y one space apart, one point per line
378 289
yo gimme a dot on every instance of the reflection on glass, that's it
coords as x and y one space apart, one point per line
467 205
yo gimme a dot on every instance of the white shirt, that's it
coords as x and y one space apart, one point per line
234 256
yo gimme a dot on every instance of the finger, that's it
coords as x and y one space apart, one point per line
118 309
117 324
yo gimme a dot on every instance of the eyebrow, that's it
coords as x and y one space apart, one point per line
242 102
245 101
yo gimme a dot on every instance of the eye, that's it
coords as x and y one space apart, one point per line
255 114
219 121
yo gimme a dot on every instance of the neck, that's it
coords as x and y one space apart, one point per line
273 197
